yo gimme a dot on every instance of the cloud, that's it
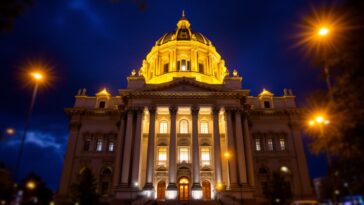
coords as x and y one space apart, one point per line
41 140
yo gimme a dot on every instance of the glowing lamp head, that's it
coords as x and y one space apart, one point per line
37 76
323 31
30 185
319 119
10 131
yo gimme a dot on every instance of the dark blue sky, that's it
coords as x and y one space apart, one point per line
92 44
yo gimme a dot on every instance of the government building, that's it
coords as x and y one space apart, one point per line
184 129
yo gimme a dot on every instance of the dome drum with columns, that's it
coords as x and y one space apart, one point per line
184 129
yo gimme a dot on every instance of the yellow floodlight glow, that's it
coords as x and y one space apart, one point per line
323 31
227 155
219 186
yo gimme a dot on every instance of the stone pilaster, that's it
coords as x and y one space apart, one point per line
119 153
172 188
127 150
231 149
248 147
240 146
217 145
196 186
151 142
136 150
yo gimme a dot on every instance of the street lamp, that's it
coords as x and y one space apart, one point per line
320 121
30 185
37 77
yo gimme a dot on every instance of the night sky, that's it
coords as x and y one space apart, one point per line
96 44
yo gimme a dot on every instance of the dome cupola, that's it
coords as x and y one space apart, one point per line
183 53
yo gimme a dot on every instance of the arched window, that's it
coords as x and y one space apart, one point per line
105 180
183 127
163 127
102 104
263 170
204 129
106 172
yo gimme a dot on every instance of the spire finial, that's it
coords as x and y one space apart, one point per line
183 13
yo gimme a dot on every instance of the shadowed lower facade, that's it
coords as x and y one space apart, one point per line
184 129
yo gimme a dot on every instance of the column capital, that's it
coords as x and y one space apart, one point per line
152 109
230 109
173 109
194 110
215 110
138 109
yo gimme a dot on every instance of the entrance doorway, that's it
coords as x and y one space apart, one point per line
183 189
206 190
161 190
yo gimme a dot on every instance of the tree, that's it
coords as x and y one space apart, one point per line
35 190
278 190
344 139
10 10
6 184
84 192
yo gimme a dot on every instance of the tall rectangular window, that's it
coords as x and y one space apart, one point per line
163 127
183 65
165 68
102 104
184 154
205 156
200 68
99 145
86 145
270 144
204 127
111 146
266 104
282 144
258 146
162 156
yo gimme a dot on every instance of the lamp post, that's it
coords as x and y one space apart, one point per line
320 121
37 77
323 33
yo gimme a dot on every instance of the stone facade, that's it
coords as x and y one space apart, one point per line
184 128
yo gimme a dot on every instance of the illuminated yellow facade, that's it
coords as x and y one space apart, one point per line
183 53
184 129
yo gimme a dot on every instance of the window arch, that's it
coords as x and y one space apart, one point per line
204 127
183 126
106 172
163 127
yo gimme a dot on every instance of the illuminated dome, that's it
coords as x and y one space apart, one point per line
183 53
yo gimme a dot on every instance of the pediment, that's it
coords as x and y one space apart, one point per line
186 85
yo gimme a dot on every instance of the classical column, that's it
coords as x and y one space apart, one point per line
150 157
231 149
127 150
136 151
119 154
172 152
217 146
196 186
240 147
249 152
